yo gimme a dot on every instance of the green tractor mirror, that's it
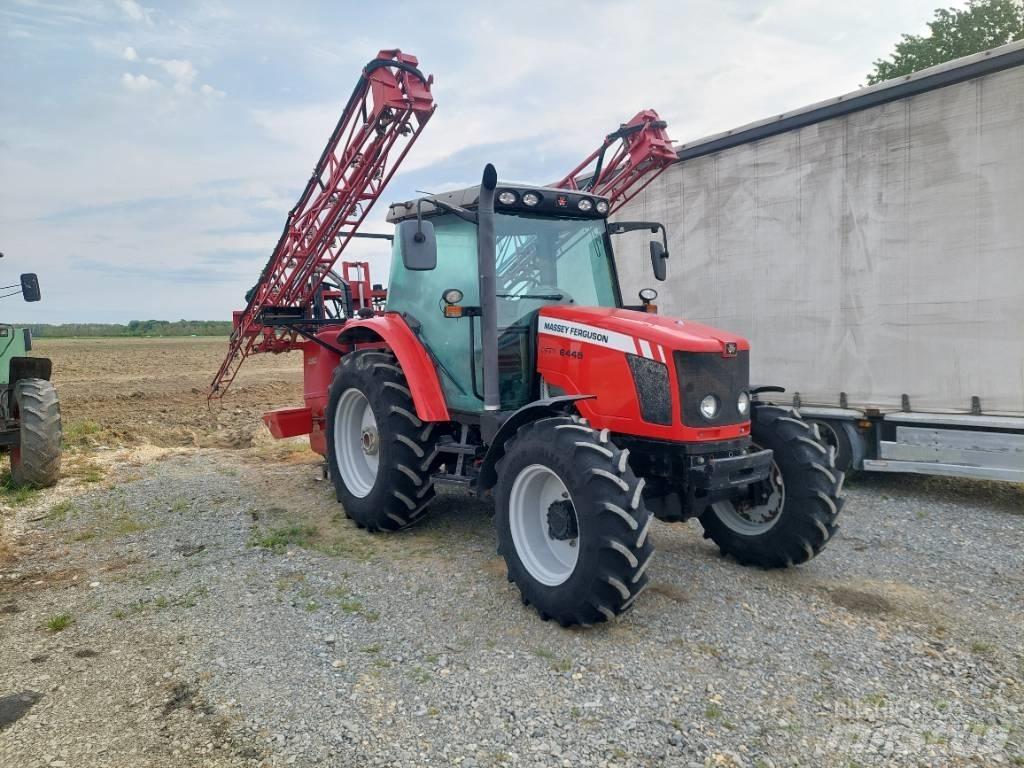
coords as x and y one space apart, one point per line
30 287
30 427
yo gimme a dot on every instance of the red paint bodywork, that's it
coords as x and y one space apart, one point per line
579 368
575 366
388 330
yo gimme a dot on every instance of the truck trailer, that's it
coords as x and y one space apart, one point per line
871 248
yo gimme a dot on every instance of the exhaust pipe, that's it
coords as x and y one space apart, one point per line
486 257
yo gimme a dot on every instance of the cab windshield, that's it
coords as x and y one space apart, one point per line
544 260
541 261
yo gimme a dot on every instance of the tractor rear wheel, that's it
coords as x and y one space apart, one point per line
35 461
376 445
571 520
802 499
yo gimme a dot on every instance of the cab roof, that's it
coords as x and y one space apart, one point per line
551 202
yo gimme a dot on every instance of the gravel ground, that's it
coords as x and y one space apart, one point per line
220 611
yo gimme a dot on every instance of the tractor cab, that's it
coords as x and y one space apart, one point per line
552 247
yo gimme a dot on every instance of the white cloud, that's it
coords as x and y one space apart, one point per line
133 10
188 183
138 82
182 72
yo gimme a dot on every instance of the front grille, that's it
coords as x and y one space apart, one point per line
708 373
652 390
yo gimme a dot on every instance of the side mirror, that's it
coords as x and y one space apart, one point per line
418 244
658 256
30 286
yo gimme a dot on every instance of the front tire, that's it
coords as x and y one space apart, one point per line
35 461
799 516
376 445
571 522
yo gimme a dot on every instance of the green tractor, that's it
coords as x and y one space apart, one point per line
29 411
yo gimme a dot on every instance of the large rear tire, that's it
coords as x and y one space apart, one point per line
571 522
799 516
35 462
376 445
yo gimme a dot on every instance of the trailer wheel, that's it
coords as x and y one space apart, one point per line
571 522
376 445
802 498
35 461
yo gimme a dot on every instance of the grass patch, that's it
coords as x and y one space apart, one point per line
60 622
352 605
59 512
125 525
91 474
875 699
278 539
712 711
81 434
15 495
981 648
556 662
86 534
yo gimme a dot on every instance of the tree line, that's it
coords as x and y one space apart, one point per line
134 328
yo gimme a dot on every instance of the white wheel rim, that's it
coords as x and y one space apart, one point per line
550 561
356 442
754 520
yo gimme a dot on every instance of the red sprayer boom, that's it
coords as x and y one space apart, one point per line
644 152
384 116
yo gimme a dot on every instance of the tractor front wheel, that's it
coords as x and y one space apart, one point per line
378 450
35 461
795 515
571 520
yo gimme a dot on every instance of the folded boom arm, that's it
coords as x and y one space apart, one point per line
384 116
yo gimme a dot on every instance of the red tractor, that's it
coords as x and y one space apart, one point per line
506 361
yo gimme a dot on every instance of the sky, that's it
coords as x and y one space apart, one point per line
150 152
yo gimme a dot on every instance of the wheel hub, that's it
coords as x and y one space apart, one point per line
562 525
759 509
369 441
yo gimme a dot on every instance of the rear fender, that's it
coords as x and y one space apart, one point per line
415 361
539 409
29 368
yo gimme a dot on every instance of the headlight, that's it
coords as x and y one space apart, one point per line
585 204
743 404
602 206
531 199
452 296
709 407
507 197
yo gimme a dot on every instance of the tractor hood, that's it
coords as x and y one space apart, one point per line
625 329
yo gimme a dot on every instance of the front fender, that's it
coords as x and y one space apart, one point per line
415 361
551 406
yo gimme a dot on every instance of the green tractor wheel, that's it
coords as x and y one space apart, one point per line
35 461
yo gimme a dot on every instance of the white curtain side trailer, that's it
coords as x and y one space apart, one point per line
872 249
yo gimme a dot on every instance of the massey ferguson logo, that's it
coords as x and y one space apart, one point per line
575 331
730 349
